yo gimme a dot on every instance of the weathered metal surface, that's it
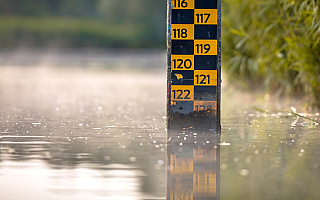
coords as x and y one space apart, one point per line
193 101
194 64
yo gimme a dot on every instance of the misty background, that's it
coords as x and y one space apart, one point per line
82 23
271 46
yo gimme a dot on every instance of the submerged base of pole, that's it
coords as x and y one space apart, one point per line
201 121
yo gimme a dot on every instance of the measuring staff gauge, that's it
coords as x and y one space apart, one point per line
194 62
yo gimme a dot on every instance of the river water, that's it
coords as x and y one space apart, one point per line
91 125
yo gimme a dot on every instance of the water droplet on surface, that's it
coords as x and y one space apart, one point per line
133 159
160 162
224 166
244 172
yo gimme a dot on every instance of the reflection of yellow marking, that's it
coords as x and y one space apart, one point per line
205 105
205 47
204 183
204 155
182 4
182 62
205 77
206 16
187 181
182 93
180 165
182 31
174 195
179 76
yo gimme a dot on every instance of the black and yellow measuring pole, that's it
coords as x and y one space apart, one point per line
194 64
193 102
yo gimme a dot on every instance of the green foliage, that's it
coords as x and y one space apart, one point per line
82 23
276 42
74 8
68 32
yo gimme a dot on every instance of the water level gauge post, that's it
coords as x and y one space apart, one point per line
194 64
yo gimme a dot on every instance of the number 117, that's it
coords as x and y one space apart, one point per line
202 18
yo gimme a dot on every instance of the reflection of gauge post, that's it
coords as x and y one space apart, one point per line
193 170
194 63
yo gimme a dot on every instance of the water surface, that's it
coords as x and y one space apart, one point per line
96 129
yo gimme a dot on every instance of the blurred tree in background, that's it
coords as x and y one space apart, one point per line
275 42
82 23
75 8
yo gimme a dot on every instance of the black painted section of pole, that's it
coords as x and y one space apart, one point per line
219 97
194 64
168 60
193 96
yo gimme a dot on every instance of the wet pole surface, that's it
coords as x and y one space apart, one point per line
194 64
193 99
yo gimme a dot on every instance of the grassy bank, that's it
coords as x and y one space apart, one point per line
18 31
276 43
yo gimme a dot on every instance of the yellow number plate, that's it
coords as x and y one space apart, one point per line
206 16
182 62
182 4
205 47
182 92
182 31
205 77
